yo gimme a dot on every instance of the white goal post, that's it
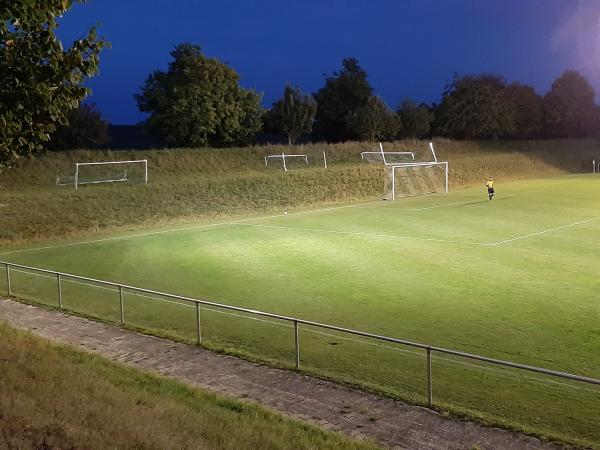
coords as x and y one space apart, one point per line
595 166
419 178
112 178
410 177
283 156
378 156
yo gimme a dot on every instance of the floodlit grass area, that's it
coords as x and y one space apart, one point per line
515 278
206 184
56 397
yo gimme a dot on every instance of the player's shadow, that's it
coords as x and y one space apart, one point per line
486 201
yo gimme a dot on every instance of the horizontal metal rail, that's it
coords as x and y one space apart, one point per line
296 322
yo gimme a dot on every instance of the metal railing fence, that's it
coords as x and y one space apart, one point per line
428 350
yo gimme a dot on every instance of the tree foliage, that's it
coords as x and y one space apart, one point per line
294 114
40 81
415 120
85 129
570 108
373 121
199 102
344 93
476 107
528 112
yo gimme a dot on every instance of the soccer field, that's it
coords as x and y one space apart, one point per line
515 278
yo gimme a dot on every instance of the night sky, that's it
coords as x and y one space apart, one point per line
410 48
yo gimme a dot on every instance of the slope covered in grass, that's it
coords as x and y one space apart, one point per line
191 184
56 397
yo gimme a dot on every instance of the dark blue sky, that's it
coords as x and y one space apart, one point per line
409 48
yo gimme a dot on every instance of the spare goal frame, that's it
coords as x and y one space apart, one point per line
283 156
78 182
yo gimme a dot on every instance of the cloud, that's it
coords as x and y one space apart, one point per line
577 38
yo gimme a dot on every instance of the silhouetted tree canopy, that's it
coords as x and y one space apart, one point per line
570 108
373 121
199 102
85 129
415 120
528 111
344 93
294 114
476 107
40 82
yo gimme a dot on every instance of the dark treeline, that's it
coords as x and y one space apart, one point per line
482 106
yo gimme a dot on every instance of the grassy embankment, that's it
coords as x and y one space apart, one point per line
56 397
188 185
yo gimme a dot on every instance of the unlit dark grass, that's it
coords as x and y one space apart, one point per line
56 397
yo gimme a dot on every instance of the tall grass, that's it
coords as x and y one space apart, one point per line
55 397
193 184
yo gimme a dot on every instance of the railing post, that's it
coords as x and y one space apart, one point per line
59 288
8 279
198 326
297 343
429 383
121 305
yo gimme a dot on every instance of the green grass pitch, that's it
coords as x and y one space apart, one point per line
514 278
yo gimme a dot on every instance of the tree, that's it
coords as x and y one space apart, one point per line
343 94
415 119
86 128
528 111
40 82
199 102
294 114
569 108
475 107
373 122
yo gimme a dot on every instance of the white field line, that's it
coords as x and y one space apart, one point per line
356 233
195 227
337 336
436 206
540 232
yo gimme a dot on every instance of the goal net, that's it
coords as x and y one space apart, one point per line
419 178
406 174
377 155
286 162
106 172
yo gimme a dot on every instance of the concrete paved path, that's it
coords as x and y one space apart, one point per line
355 413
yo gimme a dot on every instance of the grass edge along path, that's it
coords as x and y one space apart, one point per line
54 396
354 411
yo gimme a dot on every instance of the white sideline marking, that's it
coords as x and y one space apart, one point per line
437 206
337 336
356 233
196 227
540 232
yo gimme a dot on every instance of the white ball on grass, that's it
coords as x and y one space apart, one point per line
285 212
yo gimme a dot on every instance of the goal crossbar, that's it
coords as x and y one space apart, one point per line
282 156
391 170
78 181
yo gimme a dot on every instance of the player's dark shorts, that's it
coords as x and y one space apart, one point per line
490 190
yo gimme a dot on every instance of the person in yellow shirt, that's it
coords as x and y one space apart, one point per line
490 187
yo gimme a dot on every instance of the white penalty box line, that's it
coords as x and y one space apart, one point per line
245 222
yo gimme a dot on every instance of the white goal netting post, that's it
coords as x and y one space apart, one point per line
406 176
284 162
410 179
105 172
378 155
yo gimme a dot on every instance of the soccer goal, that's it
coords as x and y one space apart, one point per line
419 178
288 162
106 172
405 176
595 166
378 156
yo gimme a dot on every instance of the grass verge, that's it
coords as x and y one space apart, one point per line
56 397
